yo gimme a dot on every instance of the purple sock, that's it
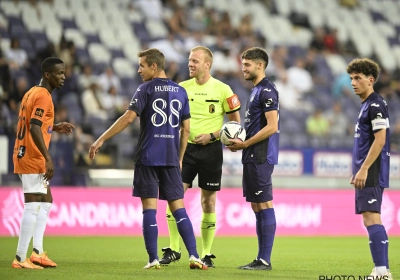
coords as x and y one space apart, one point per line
258 230
386 249
268 228
185 229
377 244
150 233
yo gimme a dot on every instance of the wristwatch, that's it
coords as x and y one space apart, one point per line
212 137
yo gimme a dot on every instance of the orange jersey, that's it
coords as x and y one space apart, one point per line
37 109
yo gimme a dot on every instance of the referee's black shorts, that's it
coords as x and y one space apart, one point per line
206 162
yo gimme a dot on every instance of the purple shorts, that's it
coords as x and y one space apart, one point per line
369 199
257 182
164 182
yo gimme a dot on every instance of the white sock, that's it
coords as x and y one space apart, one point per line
41 222
380 270
28 222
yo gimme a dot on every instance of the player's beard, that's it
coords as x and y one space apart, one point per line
250 76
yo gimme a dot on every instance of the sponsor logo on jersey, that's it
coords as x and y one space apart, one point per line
39 112
268 102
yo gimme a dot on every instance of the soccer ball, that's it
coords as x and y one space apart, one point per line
231 130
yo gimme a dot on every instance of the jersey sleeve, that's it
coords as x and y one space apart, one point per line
138 101
378 114
41 107
269 99
186 108
231 101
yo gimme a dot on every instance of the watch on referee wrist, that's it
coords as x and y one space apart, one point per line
212 137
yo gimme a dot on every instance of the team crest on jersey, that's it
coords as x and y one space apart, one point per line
39 112
211 108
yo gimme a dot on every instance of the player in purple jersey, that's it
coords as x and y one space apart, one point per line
164 130
260 152
371 155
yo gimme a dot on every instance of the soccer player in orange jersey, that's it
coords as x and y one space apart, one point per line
32 162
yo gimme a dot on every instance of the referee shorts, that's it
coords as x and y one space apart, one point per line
206 162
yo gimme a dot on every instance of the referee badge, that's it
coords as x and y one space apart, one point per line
211 108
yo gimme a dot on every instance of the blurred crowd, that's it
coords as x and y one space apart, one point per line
318 106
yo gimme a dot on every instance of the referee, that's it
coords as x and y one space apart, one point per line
209 100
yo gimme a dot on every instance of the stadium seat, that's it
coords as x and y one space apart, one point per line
99 53
18 31
4 33
123 68
11 8
75 36
63 11
92 38
83 55
83 22
336 63
77 5
109 39
3 21
130 51
54 33
5 43
126 35
284 7
156 29
68 24
116 53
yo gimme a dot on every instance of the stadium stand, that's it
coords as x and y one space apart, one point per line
110 33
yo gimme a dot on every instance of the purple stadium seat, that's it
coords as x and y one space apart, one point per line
129 86
4 33
14 21
393 41
27 45
376 16
92 38
116 53
82 54
141 31
68 23
18 31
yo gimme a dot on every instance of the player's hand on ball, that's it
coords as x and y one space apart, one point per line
237 144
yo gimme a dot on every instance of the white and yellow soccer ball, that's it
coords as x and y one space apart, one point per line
231 130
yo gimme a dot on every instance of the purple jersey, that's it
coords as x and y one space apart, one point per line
162 106
373 116
264 97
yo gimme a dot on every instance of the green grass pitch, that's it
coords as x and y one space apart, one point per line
124 257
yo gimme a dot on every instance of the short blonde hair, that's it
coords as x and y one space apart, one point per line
208 53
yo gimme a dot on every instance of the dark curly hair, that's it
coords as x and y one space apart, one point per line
364 66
